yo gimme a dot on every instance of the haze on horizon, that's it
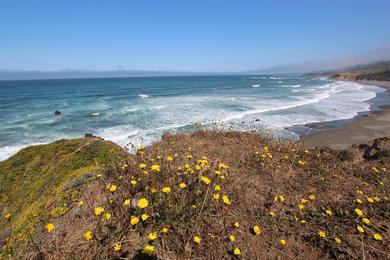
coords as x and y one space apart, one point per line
191 36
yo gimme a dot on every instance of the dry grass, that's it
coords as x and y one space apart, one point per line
260 169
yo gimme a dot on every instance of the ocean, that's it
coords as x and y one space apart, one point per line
140 109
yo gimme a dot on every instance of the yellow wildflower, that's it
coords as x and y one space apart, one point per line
358 212
359 192
338 240
142 203
126 202
217 188
164 230
106 216
113 188
329 212
99 210
197 239
359 201
283 242
117 247
232 238
369 199
304 201
169 158
301 162
133 182
205 180
226 200
152 236
222 166
301 206
216 196
377 199
50 227
144 216
142 166
81 203
279 198
322 234
155 168
257 230
377 237
134 220
166 189
88 235
366 220
236 251
98 175
360 229
217 172
148 249
312 197
236 225
182 185
273 214
7 216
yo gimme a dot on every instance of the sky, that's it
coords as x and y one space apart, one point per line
188 35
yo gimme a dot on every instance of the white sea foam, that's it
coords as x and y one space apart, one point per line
256 86
143 96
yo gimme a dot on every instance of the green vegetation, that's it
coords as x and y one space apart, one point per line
40 177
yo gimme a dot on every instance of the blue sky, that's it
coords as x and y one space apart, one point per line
187 35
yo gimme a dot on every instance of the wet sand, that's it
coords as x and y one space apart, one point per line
360 130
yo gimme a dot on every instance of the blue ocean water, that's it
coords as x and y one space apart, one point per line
139 110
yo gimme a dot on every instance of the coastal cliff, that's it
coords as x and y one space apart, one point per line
207 195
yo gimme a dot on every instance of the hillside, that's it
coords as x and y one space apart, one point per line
379 71
208 195
39 180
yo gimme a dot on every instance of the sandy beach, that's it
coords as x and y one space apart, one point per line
360 130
